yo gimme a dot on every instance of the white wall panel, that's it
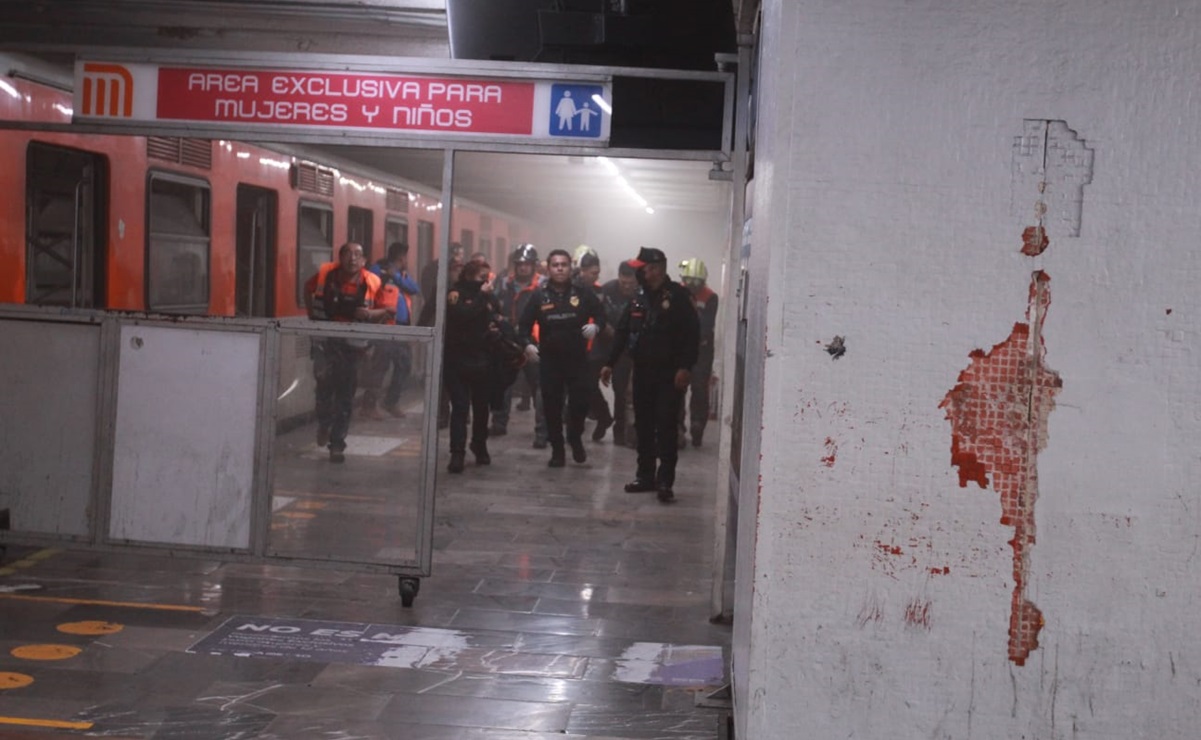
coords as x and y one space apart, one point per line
46 463
185 436
887 192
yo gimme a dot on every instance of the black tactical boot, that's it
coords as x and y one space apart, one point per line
480 450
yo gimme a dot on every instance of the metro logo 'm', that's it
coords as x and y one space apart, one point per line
107 91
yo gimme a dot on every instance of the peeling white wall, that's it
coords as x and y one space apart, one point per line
885 213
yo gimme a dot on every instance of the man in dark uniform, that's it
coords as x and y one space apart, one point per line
661 331
567 317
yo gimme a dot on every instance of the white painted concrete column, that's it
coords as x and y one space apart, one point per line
984 519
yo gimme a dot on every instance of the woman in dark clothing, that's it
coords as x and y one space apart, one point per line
472 321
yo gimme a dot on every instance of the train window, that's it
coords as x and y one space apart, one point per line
502 254
359 228
396 230
467 239
177 249
64 227
314 242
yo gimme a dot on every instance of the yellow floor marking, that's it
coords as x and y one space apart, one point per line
45 652
57 724
317 505
14 680
101 602
28 561
295 515
90 627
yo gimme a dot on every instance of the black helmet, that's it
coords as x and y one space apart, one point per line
525 253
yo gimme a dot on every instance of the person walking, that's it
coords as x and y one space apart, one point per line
693 276
398 290
472 315
615 296
660 331
566 317
343 291
514 293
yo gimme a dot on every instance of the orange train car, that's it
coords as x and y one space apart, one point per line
194 226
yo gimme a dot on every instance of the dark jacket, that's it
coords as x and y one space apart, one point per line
614 304
470 315
659 329
560 317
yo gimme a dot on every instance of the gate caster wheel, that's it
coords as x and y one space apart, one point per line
409 587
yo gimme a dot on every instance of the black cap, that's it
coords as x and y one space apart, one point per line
647 255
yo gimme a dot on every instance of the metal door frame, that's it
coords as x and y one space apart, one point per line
264 469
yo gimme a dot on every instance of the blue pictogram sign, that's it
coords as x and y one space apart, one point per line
575 110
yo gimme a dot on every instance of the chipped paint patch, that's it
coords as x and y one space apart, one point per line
998 412
670 665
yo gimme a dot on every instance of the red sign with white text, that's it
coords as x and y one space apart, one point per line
346 100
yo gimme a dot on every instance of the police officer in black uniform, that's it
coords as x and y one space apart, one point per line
661 332
567 317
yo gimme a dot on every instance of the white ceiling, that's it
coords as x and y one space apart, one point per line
544 186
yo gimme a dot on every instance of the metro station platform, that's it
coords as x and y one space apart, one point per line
558 606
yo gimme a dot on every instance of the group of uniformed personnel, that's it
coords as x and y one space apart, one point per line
643 331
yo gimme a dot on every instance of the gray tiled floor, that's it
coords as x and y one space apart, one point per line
548 577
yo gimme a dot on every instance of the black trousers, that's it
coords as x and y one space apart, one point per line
656 410
556 380
468 387
336 370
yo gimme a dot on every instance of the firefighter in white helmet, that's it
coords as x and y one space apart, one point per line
693 275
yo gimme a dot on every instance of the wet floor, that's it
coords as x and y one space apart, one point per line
558 605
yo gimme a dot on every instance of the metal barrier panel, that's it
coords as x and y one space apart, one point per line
48 407
348 455
184 438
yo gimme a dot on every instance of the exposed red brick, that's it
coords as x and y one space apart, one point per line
1034 241
998 412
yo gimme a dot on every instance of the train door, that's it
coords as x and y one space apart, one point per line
359 229
255 289
64 227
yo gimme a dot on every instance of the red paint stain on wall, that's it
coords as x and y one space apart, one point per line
889 549
998 413
917 614
831 452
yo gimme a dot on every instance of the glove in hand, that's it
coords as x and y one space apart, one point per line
589 331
